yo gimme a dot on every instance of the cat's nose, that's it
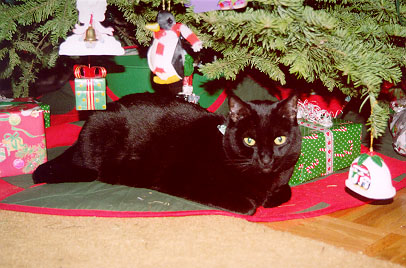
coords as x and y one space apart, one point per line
266 160
266 164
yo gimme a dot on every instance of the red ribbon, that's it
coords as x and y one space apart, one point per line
83 71
89 73
90 94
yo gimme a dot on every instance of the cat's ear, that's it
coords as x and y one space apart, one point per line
238 108
289 107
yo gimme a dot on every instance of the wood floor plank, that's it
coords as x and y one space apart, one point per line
377 230
391 217
341 233
391 247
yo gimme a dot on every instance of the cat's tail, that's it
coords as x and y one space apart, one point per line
61 169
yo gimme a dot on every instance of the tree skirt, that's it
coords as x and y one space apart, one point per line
322 196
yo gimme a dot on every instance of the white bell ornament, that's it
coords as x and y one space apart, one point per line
370 177
102 41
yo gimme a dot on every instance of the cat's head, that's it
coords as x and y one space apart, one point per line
262 137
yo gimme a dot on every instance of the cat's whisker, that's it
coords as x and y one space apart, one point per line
241 164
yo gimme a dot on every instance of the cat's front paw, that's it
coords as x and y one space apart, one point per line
278 197
245 206
38 175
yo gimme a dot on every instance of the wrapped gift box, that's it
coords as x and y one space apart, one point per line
45 107
46 112
325 150
22 138
90 94
90 87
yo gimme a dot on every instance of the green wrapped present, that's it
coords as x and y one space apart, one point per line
129 70
47 113
90 88
326 149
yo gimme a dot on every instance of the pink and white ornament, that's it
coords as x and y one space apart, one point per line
210 5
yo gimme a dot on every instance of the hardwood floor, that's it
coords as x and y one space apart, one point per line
376 230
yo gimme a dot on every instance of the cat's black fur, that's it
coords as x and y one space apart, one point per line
169 145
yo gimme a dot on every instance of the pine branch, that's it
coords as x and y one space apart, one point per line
41 25
378 120
14 60
347 45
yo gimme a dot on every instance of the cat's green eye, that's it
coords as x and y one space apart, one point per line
280 140
249 141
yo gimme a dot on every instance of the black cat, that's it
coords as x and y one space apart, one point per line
166 144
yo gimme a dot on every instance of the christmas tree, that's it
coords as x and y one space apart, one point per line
347 45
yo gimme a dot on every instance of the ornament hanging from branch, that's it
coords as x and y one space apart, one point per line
397 126
210 5
90 37
369 176
167 58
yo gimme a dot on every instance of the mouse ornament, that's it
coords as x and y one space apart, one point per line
166 56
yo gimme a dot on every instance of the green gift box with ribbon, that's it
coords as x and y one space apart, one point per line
22 138
326 149
47 113
90 87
